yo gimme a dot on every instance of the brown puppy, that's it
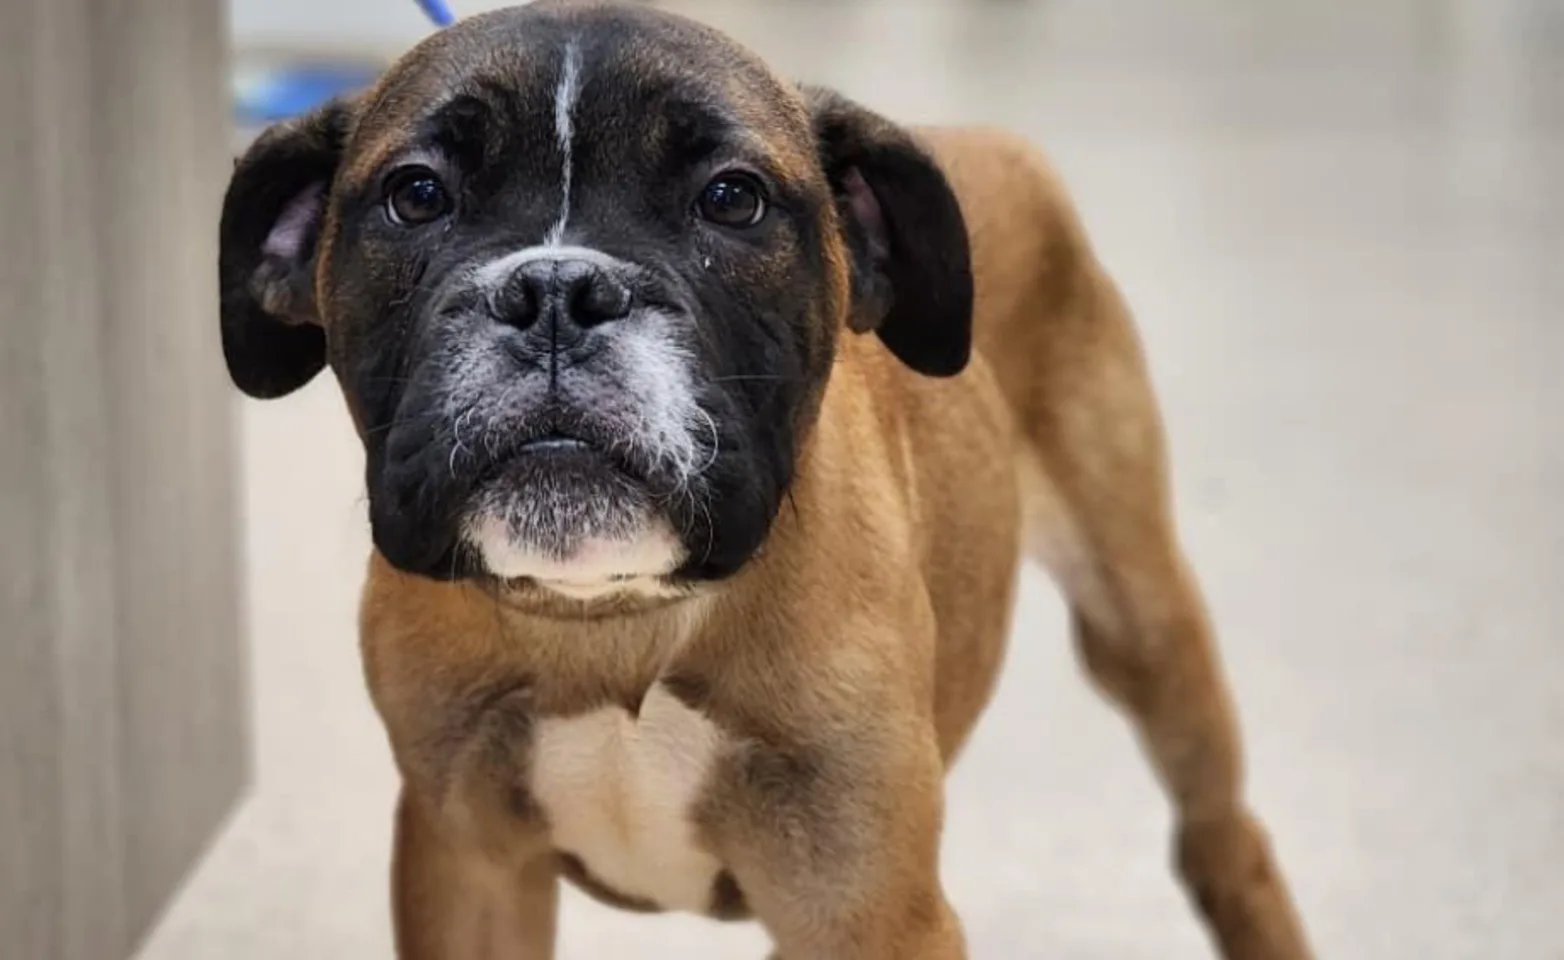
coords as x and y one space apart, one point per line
684 588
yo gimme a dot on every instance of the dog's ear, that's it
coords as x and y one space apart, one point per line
273 340
912 267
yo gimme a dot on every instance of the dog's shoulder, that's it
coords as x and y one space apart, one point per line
1018 208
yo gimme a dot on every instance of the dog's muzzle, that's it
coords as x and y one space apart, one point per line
566 413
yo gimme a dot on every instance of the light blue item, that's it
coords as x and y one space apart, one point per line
268 94
439 11
276 92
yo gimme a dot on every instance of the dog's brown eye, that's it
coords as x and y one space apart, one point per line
416 196
733 200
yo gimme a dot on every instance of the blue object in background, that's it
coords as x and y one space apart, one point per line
268 95
277 92
439 11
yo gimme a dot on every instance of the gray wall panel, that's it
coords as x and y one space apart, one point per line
122 712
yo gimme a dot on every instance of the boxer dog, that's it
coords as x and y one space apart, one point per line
707 419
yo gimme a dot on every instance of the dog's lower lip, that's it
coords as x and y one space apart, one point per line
558 450
554 444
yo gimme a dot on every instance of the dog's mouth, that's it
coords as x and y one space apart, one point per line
556 458
562 505
554 444
560 450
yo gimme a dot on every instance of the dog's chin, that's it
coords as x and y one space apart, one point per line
566 517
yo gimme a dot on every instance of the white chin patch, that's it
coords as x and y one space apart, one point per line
595 567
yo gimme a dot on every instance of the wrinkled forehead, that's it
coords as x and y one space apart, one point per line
527 77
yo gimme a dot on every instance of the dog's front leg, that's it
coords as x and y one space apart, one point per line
453 904
835 841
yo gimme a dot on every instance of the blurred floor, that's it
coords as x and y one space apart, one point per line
1342 227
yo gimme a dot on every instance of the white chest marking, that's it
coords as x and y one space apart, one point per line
619 792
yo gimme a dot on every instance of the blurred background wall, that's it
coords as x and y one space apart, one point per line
122 700
372 24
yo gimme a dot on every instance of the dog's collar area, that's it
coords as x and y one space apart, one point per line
613 587
604 597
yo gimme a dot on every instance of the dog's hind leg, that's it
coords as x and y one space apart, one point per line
1100 512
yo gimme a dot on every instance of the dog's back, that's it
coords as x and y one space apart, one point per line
1092 462
1052 327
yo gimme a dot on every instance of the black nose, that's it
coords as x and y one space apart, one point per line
568 293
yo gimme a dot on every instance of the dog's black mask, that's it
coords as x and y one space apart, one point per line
580 273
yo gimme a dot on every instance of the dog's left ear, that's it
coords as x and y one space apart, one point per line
273 338
912 267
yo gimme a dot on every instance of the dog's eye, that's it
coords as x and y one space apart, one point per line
416 196
733 200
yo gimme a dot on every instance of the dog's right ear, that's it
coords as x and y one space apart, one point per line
273 339
912 262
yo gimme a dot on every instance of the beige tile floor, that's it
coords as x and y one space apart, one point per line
1343 228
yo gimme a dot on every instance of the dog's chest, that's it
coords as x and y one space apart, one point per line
619 794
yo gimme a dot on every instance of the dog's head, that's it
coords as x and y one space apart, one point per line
580 272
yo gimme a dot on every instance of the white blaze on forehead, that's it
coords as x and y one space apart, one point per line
565 96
